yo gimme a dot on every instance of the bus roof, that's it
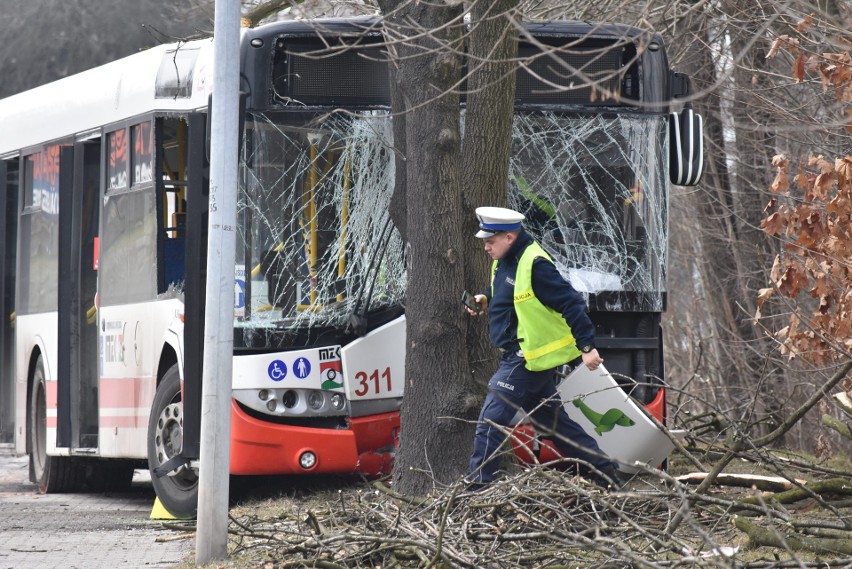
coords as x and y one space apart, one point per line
155 80
151 80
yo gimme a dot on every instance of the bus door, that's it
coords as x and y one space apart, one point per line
77 353
183 187
8 249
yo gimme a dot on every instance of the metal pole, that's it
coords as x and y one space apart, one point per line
212 538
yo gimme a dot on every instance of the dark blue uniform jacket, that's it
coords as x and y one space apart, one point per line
549 287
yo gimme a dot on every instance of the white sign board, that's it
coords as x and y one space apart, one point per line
594 400
314 368
374 365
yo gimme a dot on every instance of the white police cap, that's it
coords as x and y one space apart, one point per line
494 220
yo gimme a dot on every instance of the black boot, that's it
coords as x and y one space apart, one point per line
610 478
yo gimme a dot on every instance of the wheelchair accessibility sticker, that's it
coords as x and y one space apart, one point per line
277 370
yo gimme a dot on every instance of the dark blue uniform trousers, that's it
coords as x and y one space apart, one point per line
514 388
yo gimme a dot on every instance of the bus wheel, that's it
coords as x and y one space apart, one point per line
50 473
178 489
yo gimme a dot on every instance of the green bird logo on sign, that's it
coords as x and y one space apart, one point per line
604 422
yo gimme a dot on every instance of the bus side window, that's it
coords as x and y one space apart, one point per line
174 249
173 179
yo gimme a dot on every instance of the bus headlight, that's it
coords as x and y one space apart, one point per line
292 402
315 399
290 398
338 401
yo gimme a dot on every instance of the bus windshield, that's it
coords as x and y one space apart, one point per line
594 191
316 242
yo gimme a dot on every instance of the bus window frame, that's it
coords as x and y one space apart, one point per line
151 121
22 305
106 192
23 154
127 125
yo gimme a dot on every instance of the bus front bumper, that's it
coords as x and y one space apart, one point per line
261 447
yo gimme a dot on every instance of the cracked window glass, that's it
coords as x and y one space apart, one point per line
594 192
316 243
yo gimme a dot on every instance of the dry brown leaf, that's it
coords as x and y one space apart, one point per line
799 68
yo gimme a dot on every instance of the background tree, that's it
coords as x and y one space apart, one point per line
45 40
753 110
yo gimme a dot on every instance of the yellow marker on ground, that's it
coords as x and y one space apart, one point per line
159 511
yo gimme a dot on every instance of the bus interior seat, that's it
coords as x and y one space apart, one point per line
174 257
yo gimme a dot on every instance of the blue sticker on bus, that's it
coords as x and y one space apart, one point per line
302 368
277 370
239 294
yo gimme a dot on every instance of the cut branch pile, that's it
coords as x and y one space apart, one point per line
546 518
751 499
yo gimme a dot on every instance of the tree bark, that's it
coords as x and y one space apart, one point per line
492 49
761 482
436 378
843 428
759 536
448 355
830 487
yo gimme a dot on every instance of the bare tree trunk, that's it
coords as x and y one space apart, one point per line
752 111
493 47
755 144
714 230
733 256
436 378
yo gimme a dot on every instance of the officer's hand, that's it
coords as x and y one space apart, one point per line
482 301
592 359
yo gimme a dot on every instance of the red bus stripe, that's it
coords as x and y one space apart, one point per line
122 393
125 394
51 393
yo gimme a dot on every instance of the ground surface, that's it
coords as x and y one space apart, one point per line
92 531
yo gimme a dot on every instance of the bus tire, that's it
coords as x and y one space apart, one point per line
177 490
52 474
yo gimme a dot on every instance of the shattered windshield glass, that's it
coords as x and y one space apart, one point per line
316 242
594 192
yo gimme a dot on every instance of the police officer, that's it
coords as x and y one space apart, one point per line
539 322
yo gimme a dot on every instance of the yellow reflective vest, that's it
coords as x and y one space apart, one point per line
545 338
